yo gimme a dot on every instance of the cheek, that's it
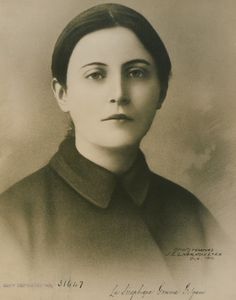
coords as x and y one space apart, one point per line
146 105
82 103
148 90
146 98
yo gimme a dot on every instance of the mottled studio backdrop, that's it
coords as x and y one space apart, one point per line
193 139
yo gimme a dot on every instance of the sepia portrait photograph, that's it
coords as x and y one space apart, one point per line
117 150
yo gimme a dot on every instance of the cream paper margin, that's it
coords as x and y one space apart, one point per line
192 140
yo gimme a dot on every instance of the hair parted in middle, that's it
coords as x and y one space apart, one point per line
107 16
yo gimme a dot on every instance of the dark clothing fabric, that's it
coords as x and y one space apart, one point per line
95 183
75 214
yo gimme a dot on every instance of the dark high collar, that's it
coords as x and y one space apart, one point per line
94 182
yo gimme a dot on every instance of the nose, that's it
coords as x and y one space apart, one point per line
119 91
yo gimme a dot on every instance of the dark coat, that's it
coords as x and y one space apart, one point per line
74 214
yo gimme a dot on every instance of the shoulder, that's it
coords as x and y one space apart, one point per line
21 209
29 184
29 195
169 192
26 206
174 205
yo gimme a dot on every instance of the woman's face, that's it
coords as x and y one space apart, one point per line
112 90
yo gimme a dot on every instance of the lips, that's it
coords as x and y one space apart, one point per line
118 117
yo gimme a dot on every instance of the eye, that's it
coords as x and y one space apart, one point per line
137 73
96 75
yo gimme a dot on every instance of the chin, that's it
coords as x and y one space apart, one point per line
118 143
121 145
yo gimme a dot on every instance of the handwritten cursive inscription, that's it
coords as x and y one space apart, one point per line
131 292
142 292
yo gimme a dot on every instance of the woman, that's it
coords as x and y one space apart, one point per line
97 203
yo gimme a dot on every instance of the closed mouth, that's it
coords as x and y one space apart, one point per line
118 117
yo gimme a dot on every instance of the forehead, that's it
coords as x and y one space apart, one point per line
110 45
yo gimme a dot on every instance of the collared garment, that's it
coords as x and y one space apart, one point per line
73 215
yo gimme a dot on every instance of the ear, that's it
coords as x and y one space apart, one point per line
60 94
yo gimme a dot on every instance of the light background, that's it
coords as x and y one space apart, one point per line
193 139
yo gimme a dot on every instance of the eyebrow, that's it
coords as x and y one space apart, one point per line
133 61
94 63
137 61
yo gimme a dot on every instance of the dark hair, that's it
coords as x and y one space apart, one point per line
106 16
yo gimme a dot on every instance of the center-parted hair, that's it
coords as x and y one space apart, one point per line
108 16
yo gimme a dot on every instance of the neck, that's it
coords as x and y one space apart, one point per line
115 160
